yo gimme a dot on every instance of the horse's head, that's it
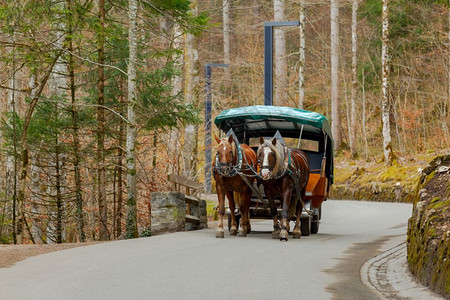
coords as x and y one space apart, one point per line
268 158
226 157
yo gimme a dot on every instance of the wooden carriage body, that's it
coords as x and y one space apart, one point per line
306 130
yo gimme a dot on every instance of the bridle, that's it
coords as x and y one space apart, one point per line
220 166
267 167
282 170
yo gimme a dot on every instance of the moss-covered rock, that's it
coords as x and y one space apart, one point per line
374 181
429 227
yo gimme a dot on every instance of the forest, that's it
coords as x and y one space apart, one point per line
101 99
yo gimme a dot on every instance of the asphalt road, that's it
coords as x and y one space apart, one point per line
196 265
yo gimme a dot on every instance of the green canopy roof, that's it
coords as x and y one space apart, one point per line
294 116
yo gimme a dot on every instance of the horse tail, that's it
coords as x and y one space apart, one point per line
237 198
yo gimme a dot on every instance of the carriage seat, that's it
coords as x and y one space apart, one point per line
315 161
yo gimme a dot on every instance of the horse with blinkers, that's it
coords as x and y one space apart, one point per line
230 177
285 172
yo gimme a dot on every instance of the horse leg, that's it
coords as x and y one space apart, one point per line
221 210
284 236
248 200
245 212
284 214
244 215
273 212
297 232
249 227
232 205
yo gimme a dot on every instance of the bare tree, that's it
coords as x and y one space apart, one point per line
226 37
75 129
190 94
173 139
57 86
101 165
11 161
385 109
131 227
302 58
335 101
281 82
352 132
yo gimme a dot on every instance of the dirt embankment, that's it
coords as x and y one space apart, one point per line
11 254
429 228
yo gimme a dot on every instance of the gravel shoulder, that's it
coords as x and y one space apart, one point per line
11 254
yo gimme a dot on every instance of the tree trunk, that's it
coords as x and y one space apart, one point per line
302 57
191 85
34 98
354 81
101 166
131 227
58 187
335 100
155 155
11 161
385 110
119 170
226 37
36 220
363 121
173 140
57 86
75 134
281 80
445 108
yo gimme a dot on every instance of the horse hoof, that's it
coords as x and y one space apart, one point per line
275 234
284 235
233 232
242 233
220 234
296 234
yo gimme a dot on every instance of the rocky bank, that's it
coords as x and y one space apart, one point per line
429 228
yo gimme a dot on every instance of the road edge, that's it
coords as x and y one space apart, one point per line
387 275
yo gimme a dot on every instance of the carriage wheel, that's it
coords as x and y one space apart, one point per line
315 226
238 218
316 221
305 226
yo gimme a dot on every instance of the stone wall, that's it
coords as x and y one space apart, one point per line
168 212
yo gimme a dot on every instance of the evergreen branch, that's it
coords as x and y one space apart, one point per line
86 59
91 105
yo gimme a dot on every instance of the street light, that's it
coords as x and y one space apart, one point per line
268 57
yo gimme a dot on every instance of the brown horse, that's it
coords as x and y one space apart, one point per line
227 173
284 172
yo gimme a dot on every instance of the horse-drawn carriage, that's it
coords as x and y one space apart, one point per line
293 129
